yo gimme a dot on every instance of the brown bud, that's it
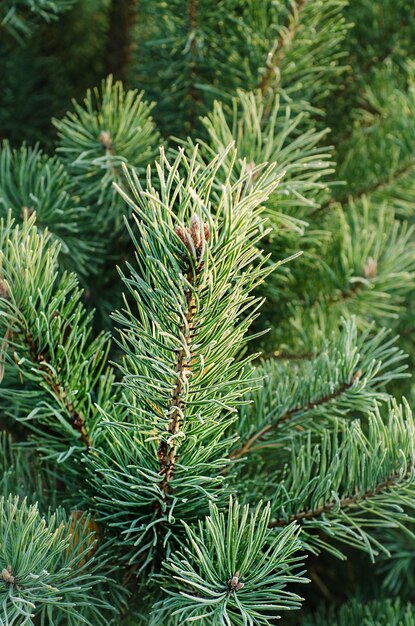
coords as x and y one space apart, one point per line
195 231
105 140
194 236
206 231
7 575
181 234
370 269
234 584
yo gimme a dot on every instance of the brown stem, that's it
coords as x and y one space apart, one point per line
284 41
167 452
118 50
292 413
76 419
344 503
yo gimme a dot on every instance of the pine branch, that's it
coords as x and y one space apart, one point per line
295 412
382 185
110 128
285 39
52 381
368 270
33 182
348 375
266 130
197 262
168 453
48 342
20 18
53 568
351 485
380 612
347 502
232 569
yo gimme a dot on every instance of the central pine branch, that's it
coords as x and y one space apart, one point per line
193 239
167 453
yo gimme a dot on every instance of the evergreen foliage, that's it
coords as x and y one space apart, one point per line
31 181
239 547
379 613
234 420
19 17
110 128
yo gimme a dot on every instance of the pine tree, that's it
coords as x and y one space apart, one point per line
206 313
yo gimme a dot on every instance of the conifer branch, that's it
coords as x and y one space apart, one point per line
51 378
284 41
248 446
356 481
348 375
193 239
346 502
379 185
49 343
197 263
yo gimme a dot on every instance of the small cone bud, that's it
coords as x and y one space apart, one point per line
181 234
105 140
7 575
206 232
195 231
194 236
370 269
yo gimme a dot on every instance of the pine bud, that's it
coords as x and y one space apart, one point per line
7 575
195 235
206 231
105 140
370 269
195 231
182 235
234 584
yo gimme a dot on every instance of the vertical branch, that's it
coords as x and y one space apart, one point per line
193 239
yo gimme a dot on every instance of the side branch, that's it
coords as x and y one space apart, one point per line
292 414
76 419
284 41
377 186
344 503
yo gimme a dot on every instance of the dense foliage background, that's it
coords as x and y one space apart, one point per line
321 242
